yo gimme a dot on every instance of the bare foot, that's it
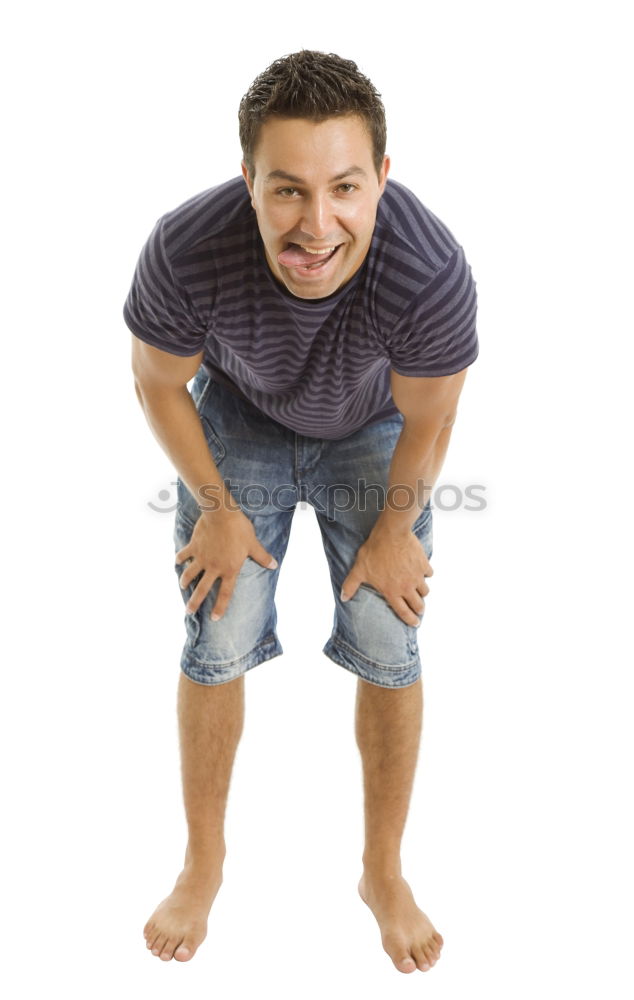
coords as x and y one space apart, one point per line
179 924
408 936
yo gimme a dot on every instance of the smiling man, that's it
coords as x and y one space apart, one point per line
327 319
316 229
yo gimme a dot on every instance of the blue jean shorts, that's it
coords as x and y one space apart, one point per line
268 469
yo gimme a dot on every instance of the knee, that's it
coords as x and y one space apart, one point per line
372 627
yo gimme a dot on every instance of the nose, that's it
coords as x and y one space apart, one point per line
317 220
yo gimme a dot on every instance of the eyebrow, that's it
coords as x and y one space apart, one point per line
282 175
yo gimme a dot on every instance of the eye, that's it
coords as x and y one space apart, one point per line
347 187
287 192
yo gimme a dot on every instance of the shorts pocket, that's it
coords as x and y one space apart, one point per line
187 513
423 529
182 534
202 396
188 510
216 447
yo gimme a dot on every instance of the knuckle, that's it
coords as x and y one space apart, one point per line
221 602
199 595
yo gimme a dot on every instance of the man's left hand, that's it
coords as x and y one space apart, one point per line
395 564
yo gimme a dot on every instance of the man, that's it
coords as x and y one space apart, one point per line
327 318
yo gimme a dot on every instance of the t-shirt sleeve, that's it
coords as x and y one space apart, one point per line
157 308
437 334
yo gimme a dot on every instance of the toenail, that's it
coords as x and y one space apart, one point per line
425 965
155 951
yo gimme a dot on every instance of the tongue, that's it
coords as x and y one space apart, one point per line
296 257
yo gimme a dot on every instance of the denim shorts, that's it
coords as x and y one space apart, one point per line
268 469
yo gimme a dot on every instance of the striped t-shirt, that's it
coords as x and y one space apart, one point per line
319 366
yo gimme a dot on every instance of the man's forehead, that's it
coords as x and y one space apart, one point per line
289 148
282 175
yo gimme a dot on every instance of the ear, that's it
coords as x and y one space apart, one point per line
247 180
383 175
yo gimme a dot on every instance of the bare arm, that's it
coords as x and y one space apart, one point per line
160 381
429 406
222 537
392 559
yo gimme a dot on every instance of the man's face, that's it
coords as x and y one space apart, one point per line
315 188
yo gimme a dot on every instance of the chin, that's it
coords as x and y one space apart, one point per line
301 291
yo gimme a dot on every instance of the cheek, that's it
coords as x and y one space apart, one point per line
357 222
276 210
278 222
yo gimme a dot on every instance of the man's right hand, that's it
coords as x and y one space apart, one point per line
219 545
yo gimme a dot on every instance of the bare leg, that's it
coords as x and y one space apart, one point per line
211 719
388 727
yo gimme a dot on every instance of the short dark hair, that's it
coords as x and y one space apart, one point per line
316 86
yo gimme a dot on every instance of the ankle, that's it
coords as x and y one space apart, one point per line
381 866
207 858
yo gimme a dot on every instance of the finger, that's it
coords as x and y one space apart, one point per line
190 573
422 589
200 593
403 610
416 603
224 596
183 554
350 586
263 557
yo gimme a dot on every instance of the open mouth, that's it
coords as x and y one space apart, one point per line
306 260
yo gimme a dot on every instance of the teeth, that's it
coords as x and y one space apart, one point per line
308 250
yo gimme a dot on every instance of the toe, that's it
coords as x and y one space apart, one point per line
159 943
438 940
167 950
184 951
399 952
429 954
422 962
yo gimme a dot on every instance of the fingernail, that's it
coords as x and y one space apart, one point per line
343 596
215 617
272 564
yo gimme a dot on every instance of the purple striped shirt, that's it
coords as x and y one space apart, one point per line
319 366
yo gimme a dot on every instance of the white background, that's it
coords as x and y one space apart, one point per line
510 122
